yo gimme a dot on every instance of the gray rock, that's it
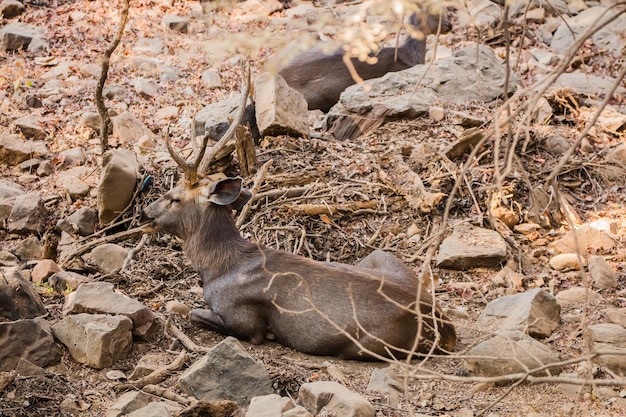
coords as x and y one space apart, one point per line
146 87
211 79
608 37
109 257
153 46
120 172
7 259
82 222
128 128
11 8
70 182
91 70
508 353
18 299
213 119
480 13
127 403
30 165
26 368
114 91
74 157
100 298
274 405
17 35
470 247
227 372
535 312
66 281
97 340
8 191
280 109
45 168
14 149
384 381
28 215
29 249
155 409
148 364
334 399
576 295
616 316
28 339
177 23
602 275
44 269
30 127
586 84
92 120
394 95
585 239
609 338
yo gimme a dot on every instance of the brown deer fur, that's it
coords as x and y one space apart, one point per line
256 293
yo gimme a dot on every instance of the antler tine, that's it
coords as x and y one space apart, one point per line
189 172
245 70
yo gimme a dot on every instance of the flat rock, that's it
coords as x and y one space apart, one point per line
129 129
211 78
177 23
70 182
535 312
128 402
365 106
146 87
82 222
73 157
334 399
227 372
67 281
120 172
18 299
29 249
29 339
616 316
280 109
565 261
97 340
109 257
586 239
11 8
273 405
28 215
586 84
384 381
17 35
213 119
509 353
30 127
470 247
609 338
576 295
101 298
14 149
609 37
7 259
8 191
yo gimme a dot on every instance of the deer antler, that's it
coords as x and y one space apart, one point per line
191 170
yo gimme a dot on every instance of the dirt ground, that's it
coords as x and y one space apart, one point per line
329 172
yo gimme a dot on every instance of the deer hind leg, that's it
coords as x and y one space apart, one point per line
208 319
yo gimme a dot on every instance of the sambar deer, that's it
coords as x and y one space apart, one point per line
321 77
376 310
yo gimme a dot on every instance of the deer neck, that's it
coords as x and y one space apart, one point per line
215 244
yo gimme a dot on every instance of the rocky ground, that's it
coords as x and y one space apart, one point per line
508 261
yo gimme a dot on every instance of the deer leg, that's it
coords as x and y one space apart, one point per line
208 319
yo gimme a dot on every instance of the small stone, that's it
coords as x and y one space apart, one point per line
43 270
211 79
109 257
73 157
29 249
566 261
146 87
71 183
576 295
177 23
30 164
30 127
177 307
45 168
14 149
601 273
28 215
470 247
436 113
333 398
465 120
118 180
11 8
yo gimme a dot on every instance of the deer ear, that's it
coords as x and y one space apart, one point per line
241 201
223 192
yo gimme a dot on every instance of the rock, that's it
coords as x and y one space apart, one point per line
617 155
28 215
114 91
333 398
120 172
537 15
26 368
152 46
384 381
71 184
91 70
44 270
14 149
128 402
83 222
30 127
535 312
73 157
66 281
479 13
17 35
167 113
616 316
29 249
392 96
585 84
608 37
602 275
576 295
468 140
213 119
145 87
28 339
128 128
11 8
156 409
227 372
211 79
45 169
18 299
100 298
587 239
175 306
274 405
609 338
280 109
436 113
470 247
97 340
30 165
572 390
8 191
7 259
92 120
565 261
463 119
147 364
177 23
508 353
543 112
109 257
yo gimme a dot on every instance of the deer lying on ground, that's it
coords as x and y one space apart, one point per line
322 77
376 310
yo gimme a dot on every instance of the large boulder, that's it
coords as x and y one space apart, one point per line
120 172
